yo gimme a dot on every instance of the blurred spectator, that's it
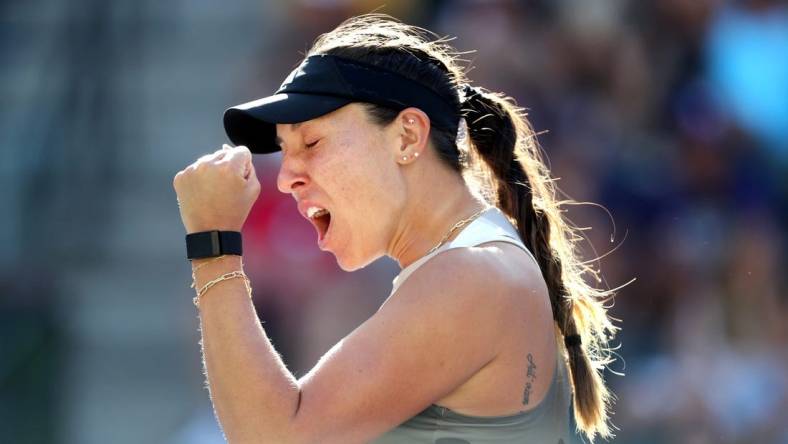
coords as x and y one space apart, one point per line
747 47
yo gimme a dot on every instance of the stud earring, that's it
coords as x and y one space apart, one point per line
404 157
411 121
416 154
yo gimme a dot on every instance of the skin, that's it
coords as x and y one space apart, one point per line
457 333
348 154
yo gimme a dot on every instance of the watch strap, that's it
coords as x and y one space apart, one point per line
213 243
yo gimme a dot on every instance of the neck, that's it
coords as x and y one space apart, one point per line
430 215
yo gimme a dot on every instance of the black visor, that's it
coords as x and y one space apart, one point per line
324 83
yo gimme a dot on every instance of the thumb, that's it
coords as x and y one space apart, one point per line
252 182
240 158
249 170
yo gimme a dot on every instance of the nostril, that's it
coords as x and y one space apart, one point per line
288 180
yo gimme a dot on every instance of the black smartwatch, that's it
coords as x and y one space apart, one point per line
213 243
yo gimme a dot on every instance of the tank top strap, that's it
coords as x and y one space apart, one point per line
491 226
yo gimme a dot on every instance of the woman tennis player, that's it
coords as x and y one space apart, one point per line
490 333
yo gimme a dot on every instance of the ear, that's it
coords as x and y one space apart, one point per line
413 128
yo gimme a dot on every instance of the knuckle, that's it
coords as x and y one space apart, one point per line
224 167
179 176
205 158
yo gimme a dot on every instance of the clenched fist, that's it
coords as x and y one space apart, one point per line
217 191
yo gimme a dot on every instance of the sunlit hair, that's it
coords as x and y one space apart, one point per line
502 162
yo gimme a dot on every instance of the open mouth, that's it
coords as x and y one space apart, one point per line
321 219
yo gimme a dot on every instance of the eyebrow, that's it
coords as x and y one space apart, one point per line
278 140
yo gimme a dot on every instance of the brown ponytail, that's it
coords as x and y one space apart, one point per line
506 164
504 140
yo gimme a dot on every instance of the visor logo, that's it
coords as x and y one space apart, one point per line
298 72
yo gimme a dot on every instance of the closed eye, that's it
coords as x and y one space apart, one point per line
311 145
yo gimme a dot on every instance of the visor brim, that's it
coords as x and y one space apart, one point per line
253 124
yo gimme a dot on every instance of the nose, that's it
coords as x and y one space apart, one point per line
291 175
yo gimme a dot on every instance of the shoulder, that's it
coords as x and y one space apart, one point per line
494 267
485 285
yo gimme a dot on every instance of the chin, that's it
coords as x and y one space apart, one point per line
347 263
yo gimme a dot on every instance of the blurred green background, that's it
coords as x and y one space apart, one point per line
671 114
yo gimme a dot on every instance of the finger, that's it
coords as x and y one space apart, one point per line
253 184
241 159
224 151
204 158
252 175
214 156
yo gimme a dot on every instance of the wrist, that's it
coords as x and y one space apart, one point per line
210 244
201 262
203 270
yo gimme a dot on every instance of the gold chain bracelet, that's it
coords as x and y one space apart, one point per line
224 277
194 271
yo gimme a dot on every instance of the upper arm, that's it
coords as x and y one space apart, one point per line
441 327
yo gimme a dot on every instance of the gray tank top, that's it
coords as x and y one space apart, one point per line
549 422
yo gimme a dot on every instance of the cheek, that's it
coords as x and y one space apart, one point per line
367 186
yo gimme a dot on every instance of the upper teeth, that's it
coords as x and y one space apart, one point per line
313 212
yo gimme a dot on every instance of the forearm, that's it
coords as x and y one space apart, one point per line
253 393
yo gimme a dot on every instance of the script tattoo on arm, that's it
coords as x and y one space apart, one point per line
530 376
